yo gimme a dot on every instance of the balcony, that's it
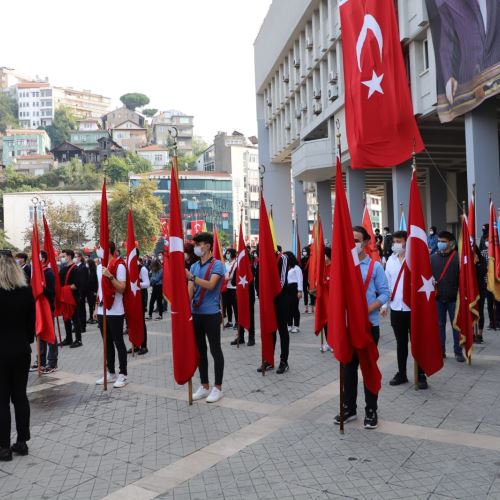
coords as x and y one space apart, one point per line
313 161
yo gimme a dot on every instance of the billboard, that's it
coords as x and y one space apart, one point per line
466 36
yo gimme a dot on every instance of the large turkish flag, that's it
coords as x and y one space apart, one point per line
381 127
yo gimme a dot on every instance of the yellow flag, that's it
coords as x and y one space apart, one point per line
273 233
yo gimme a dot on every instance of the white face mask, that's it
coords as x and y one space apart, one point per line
186 257
63 260
359 247
100 252
398 248
487 243
198 252
75 261
304 254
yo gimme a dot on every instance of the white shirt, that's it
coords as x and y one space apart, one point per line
392 269
229 275
117 309
144 277
295 276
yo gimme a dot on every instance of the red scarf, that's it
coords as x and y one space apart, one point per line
108 290
67 307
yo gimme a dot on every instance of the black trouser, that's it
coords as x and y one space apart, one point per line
251 332
82 313
91 298
351 381
493 310
231 305
114 337
156 297
73 322
293 304
307 295
281 303
207 326
401 324
144 293
14 371
480 306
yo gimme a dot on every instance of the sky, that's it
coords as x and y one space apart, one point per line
192 55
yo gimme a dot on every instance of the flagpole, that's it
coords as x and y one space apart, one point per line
59 330
341 366
262 171
415 364
237 264
104 322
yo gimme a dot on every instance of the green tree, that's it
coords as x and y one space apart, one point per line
4 242
64 121
138 164
146 209
149 112
199 145
8 112
117 169
134 100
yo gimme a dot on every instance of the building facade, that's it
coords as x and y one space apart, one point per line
121 115
129 136
300 99
18 143
164 120
87 135
157 155
35 104
205 196
82 103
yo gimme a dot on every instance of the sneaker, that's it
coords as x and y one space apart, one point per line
289 329
34 368
49 370
478 339
325 348
422 383
66 341
265 366
238 342
201 393
398 379
20 448
158 318
282 368
460 357
295 329
215 395
235 326
110 378
228 325
76 343
348 416
371 419
306 310
5 454
142 351
121 381
149 318
251 341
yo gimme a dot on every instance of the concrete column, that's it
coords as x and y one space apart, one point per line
301 210
324 190
401 179
355 190
436 194
483 164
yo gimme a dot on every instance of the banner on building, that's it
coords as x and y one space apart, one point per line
466 37
197 227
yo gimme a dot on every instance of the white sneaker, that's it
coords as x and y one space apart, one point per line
215 395
201 393
326 348
295 330
289 329
121 381
110 378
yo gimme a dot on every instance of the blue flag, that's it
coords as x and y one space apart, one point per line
402 222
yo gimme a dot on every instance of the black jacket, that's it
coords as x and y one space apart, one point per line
50 287
447 288
17 325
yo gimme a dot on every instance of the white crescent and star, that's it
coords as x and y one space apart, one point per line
243 281
134 286
427 286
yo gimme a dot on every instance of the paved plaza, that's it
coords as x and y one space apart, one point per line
270 437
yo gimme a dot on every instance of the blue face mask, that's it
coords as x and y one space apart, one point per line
442 246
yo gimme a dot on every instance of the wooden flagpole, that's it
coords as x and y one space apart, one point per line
38 348
190 392
415 364
59 331
322 340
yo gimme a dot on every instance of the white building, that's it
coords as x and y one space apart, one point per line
157 155
35 103
300 97
19 211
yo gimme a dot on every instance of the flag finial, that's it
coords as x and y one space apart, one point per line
262 171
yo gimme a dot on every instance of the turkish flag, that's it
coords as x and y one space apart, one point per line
108 290
313 260
466 313
419 292
471 220
197 227
348 324
166 283
44 325
218 255
184 350
269 285
244 278
133 296
381 126
51 254
493 254
371 249
321 309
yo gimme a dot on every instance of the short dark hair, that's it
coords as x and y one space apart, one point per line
112 247
363 231
205 238
22 255
69 252
44 255
292 260
434 228
279 248
231 251
446 235
386 228
79 254
400 234
328 252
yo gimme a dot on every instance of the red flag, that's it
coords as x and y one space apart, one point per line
51 254
269 285
244 278
321 309
44 326
348 324
419 292
218 255
133 296
103 249
381 126
467 313
197 227
471 220
493 254
184 350
371 249
311 275
166 283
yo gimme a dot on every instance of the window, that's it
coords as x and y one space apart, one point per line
158 158
425 49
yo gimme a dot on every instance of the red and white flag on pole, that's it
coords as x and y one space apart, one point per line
51 254
381 126
166 283
133 296
44 326
371 250
321 308
184 350
419 292
244 278
349 330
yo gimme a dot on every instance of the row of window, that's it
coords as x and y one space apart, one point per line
197 184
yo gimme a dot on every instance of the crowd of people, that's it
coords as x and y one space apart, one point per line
212 291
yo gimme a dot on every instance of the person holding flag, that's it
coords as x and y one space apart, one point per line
204 287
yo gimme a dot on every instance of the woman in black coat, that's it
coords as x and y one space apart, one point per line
92 289
17 332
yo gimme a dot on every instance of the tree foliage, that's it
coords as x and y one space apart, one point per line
199 145
149 112
146 209
8 112
118 169
64 121
4 242
134 100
